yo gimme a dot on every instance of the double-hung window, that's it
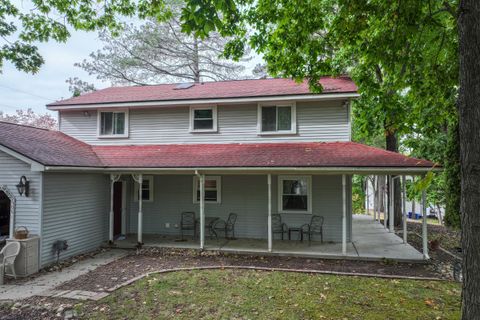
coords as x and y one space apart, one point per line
147 189
113 124
295 194
203 119
213 189
277 119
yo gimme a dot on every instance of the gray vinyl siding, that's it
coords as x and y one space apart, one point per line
27 210
245 195
76 210
316 121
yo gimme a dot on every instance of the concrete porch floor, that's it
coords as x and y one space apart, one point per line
371 241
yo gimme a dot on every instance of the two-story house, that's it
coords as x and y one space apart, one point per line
128 161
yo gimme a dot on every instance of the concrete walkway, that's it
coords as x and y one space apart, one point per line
48 281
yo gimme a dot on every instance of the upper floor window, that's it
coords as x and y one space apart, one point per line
203 119
113 123
277 119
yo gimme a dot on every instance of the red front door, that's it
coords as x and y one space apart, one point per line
117 208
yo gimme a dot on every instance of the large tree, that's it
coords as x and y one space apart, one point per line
469 124
157 52
30 118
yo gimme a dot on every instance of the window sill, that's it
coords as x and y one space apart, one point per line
204 131
277 133
116 136
295 212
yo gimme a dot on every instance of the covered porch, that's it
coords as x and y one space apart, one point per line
371 241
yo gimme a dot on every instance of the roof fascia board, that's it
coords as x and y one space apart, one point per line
254 170
308 97
34 165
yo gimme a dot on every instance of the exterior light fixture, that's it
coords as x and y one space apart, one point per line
86 114
23 186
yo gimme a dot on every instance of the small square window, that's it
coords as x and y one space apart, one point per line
203 119
213 192
112 123
277 119
147 189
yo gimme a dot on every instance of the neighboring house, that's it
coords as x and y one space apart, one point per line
257 147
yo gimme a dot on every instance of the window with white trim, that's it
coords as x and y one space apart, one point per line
213 189
277 119
147 189
203 119
295 194
113 123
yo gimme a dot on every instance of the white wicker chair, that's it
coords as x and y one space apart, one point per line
8 255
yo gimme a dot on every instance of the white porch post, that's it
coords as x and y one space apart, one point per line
391 215
139 180
366 196
375 200
385 202
344 215
113 178
404 209
424 225
202 211
270 235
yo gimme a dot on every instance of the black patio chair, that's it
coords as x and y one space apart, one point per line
188 223
314 227
226 226
278 226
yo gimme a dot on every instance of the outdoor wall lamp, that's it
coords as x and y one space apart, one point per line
23 186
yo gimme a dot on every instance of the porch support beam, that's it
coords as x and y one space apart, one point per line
391 215
201 178
139 179
113 178
424 225
270 235
375 199
344 215
404 208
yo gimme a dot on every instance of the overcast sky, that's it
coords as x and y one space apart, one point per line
19 90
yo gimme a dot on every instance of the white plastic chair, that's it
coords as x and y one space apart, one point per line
8 255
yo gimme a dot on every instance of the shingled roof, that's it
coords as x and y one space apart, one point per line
47 147
208 90
53 148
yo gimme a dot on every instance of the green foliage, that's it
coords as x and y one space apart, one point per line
452 176
41 21
358 194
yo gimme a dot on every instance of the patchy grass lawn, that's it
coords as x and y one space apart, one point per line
242 294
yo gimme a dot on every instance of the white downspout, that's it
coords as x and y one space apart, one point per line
270 235
201 179
344 215
404 207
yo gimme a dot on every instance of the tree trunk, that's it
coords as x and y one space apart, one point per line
469 125
392 145
196 61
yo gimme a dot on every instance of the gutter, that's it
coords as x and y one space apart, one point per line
187 102
194 170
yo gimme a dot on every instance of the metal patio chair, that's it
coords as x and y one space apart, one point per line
226 226
278 227
188 223
314 227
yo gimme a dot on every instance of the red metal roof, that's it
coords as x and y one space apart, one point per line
53 148
209 90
